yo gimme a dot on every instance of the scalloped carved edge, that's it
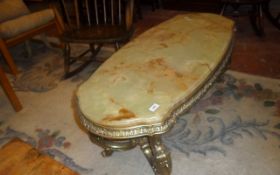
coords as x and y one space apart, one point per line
149 130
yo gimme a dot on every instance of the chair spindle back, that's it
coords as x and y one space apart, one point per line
98 12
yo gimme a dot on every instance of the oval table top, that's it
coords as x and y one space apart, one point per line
142 87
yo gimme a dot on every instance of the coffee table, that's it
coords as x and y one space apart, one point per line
137 94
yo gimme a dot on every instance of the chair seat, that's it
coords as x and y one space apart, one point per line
25 23
97 34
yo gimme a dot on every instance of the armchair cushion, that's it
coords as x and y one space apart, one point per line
10 9
25 23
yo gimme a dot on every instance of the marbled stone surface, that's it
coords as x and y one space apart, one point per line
143 82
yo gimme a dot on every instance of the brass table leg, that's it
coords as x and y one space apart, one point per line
152 147
110 146
157 155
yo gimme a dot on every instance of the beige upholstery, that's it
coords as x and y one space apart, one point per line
10 9
18 24
25 23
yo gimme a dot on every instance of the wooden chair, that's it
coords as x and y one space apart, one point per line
272 12
256 14
156 4
95 22
9 91
17 24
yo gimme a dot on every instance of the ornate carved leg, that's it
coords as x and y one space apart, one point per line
107 152
112 145
157 155
152 147
102 143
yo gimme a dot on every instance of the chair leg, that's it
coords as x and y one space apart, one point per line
117 46
8 57
224 6
257 19
9 91
95 49
67 50
160 4
28 48
138 10
70 60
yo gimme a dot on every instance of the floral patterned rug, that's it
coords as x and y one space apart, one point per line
43 71
234 129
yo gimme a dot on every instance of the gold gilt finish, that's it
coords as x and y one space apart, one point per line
136 95
152 147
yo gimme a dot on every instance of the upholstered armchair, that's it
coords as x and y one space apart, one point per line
17 24
8 89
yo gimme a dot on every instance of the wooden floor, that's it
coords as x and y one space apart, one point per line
19 158
257 55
